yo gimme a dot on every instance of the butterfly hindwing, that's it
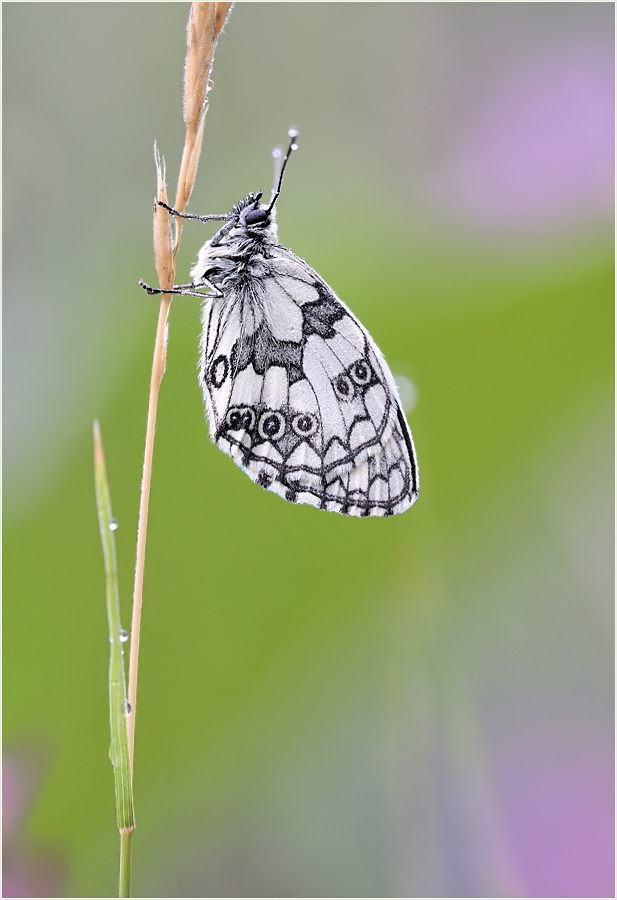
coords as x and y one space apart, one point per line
298 394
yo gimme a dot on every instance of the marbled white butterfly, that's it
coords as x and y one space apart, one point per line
296 390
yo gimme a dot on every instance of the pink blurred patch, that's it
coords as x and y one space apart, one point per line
557 793
541 150
27 871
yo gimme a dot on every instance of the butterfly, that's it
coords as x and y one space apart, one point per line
296 390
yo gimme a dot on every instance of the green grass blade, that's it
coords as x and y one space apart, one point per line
118 704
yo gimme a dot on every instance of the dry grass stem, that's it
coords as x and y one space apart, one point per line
191 171
205 23
163 250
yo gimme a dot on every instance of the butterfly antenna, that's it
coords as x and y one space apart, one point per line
276 155
293 134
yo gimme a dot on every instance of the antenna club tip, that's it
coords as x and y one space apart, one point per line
276 153
293 132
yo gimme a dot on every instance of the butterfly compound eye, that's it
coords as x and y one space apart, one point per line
256 217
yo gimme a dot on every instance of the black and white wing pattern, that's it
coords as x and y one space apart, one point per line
300 397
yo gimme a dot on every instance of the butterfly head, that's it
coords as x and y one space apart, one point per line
250 213
250 225
252 220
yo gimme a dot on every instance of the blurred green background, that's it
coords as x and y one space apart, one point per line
417 706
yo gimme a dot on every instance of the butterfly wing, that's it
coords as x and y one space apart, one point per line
298 394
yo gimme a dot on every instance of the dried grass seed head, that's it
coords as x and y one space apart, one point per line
201 43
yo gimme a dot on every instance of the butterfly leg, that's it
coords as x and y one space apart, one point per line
221 233
182 289
174 212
